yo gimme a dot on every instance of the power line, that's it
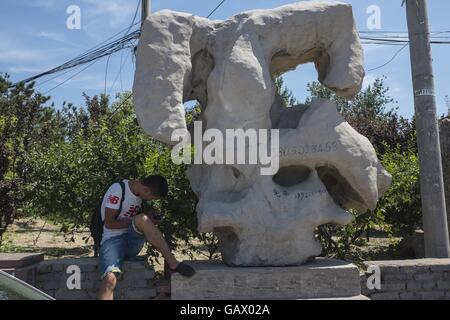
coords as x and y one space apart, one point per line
215 9
119 106
121 54
119 73
392 59
108 48
91 55
83 54
71 77
129 97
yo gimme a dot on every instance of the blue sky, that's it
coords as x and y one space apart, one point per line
35 38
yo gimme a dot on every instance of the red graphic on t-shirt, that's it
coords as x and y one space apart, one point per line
132 211
113 199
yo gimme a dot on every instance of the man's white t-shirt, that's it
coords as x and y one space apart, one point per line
130 207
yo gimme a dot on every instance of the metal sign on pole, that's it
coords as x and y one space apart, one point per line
431 176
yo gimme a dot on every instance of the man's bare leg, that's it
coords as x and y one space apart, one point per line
107 288
155 238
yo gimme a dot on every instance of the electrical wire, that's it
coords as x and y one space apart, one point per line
71 77
392 59
215 9
91 55
129 29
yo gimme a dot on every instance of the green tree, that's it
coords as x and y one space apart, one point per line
373 114
25 124
103 143
393 137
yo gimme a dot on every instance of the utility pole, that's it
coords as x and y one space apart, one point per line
447 103
146 9
431 178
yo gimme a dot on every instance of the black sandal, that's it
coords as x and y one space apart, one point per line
184 269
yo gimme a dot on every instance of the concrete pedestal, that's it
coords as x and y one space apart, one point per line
320 279
21 265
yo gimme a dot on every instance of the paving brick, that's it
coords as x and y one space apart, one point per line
408 296
393 286
135 265
443 284
427 276
440 268
87 285
396 277
49 285
408 269
139 274
385 296
428 285
140 294
431 295
413 285
54 276
73 295
44 268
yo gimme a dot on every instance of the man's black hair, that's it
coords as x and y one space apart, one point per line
158 184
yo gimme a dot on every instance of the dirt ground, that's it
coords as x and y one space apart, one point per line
36 235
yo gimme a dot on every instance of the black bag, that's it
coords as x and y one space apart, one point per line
97 222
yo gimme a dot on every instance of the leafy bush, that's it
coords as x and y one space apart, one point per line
25 124
58 164
399 211
368 114
100 146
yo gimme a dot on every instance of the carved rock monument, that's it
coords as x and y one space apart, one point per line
229 66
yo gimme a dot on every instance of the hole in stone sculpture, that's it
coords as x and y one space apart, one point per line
202 64
291 175
289 105
338 187
236 173
227 241
194 111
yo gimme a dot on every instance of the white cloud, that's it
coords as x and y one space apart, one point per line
45 4
56 37
119 12
25 70
19 58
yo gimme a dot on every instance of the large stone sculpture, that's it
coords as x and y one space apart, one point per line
326 167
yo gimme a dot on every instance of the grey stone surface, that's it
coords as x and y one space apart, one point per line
229 67
137 282
19 260
385 296
360 297
323 278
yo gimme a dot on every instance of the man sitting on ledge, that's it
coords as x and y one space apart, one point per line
125 232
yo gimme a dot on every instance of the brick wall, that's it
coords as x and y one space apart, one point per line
421 279
138 282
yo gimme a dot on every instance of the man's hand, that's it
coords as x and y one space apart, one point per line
111 221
